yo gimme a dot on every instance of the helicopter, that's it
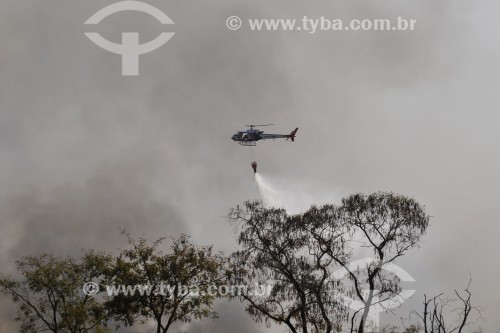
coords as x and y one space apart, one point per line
252 135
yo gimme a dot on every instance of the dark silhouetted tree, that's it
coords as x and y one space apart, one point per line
300 254
449 314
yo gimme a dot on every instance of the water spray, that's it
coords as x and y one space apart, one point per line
270 196
288 194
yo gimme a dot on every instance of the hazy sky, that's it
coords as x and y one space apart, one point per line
86 152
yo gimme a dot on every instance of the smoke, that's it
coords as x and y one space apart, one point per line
235 320
86 152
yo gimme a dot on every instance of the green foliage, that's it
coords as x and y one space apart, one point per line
413 329
297 254
49 295
197 268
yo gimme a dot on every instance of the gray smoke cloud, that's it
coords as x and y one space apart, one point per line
86 152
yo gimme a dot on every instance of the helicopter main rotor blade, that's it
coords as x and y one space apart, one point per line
258 125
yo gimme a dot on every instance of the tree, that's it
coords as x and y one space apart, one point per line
438 310
277 249
301 253
389 225
50 295
166 287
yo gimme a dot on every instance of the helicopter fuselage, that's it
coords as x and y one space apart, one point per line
251 136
